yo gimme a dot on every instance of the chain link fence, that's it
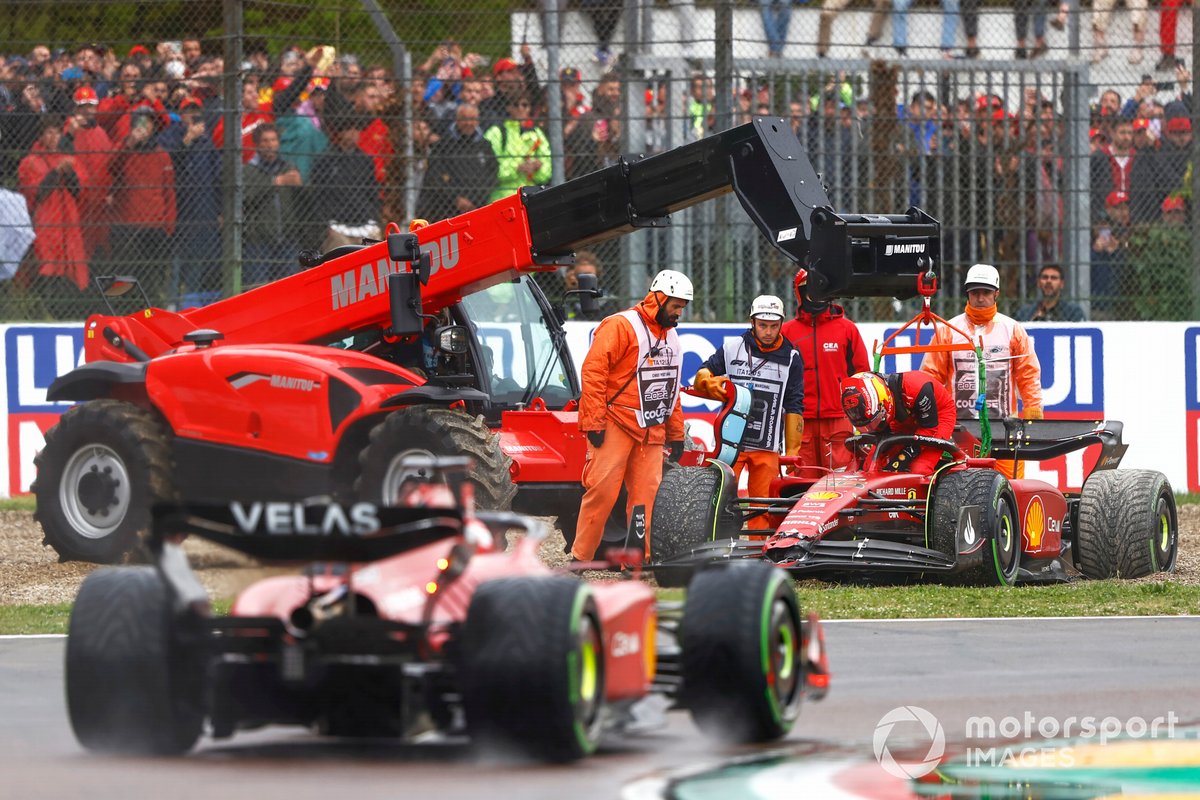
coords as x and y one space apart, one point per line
1039 135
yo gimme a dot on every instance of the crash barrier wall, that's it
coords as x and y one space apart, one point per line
1014 182
1143 375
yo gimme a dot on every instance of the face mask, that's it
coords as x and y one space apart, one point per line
813 307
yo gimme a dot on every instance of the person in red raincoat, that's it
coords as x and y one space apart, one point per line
51 182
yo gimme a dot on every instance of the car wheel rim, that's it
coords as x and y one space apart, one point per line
1006 555
398 473
783 678
95 491
1162 547
587 679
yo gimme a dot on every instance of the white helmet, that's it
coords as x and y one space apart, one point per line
767 307
672 284
982 276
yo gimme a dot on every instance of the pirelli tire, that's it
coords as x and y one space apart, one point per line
135 671
533 667
741 661
690 508
1127 526
433 431
997 560
105 464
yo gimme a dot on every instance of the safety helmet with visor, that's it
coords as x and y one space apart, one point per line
867 401
982 276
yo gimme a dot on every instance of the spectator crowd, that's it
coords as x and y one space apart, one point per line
112 162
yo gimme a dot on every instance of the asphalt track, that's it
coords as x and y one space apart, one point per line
1020 668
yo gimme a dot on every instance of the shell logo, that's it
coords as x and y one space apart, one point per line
822 496
1035 522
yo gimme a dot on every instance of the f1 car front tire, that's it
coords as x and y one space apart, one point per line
691 507
533 667
996 561
433 431
104 465
134 671
743 673
1127 526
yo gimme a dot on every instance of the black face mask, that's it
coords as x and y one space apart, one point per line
812 306
663 320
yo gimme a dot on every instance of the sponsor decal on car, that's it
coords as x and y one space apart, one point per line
822 496
1035 522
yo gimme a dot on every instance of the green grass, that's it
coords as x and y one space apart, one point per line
23 503
1081 598
54 618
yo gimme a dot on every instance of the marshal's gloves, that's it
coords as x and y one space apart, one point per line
676 452
709 385
596 438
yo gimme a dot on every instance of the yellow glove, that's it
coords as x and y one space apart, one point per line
793 433
710 386
1033 412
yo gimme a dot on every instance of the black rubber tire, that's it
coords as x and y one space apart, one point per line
533 672
742 668
615 527
998 561
119 459
688 512
440 432
1128 526
134 672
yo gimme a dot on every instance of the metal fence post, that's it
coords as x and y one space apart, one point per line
231 156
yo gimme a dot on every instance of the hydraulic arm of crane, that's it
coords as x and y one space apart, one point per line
762 162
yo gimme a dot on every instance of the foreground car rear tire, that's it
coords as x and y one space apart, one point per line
691 508
534 668
432 431
1127 525
998 561
104 465
134 672
743 674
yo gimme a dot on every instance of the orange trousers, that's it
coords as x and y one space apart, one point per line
764 467
621 459
824 443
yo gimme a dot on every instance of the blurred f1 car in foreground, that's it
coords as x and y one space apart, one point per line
965 523
411 621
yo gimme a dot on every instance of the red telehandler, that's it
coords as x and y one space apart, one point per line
319 385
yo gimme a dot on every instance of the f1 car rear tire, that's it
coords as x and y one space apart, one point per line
134 670
691 508
430 430
533 667
742 668
1128 526
105 464
997 561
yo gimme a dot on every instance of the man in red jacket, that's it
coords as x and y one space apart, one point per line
902 403
832 349
143 204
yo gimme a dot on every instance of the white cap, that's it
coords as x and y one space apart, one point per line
982 276
767 307
672 284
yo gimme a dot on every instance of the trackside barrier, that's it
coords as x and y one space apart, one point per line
1144 374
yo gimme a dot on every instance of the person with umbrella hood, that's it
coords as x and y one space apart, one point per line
832 350
763 362
629 407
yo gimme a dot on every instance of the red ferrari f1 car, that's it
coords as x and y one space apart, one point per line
411 620
967 522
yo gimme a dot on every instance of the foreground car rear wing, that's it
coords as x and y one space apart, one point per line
304 532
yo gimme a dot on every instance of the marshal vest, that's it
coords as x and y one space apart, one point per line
660 364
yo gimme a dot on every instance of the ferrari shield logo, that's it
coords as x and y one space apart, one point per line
970 536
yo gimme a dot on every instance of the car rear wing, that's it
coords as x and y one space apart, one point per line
304 532
1038 440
